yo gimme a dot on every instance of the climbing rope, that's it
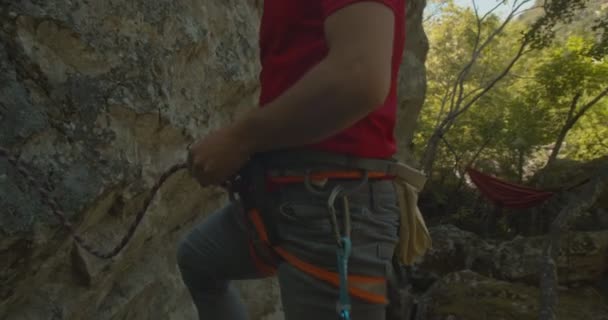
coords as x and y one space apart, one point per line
44 193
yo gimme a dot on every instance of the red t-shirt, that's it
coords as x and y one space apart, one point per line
292 41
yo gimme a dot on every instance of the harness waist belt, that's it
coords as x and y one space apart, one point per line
304 159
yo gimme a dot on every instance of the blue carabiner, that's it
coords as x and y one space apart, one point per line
343 255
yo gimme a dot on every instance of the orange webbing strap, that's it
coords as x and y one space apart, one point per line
264 258
327 175
256 219
370 289
264 268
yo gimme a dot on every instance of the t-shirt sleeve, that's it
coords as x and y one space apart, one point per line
331 6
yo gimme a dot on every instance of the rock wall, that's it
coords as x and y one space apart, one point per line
583 257
97 99
466 295
412 80
465 277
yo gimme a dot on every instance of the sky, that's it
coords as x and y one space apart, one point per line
486 5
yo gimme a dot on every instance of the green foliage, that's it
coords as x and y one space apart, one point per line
569 69
513 125
453 39
542 31
589 138
569 75
600 49
590 16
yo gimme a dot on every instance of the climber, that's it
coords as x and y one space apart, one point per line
319 147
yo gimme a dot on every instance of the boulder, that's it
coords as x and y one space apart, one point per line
564 176
583 256
466 295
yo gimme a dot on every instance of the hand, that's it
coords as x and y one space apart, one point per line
219 155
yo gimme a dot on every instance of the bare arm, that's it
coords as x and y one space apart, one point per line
352 80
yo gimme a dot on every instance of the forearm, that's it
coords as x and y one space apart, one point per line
329 98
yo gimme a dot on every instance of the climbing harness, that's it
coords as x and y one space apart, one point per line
266 249
44 193
269 171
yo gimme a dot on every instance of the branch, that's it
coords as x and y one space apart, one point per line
515 75
503 25
478 23
452 150
474 55
519 54
455 105
472 92
461 90
528 10
443 102
478 153
590 104
465 70
435 12
577 96
489 12
483 75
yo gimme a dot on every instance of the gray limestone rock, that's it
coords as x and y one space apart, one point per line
97 99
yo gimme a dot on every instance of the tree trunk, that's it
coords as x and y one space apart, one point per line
549 280
571 121
430 153
560 141
520 165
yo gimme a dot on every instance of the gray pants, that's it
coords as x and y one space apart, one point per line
217 251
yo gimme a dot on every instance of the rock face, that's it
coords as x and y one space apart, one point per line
466 277
97 99
564 174
583 256
412 88
466 295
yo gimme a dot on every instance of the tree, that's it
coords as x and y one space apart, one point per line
588 139
468 87
593 17
572 81
453 69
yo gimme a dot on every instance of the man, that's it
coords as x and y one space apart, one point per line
328 84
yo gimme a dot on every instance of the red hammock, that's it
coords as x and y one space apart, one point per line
506 194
